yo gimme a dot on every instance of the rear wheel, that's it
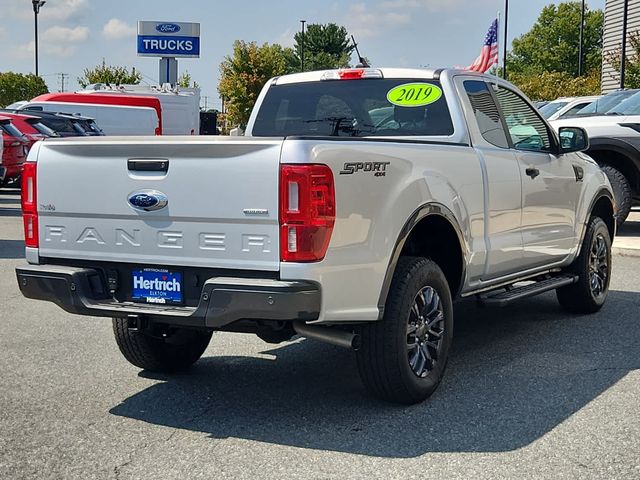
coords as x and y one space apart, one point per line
404 355
593 267
622 192
176 351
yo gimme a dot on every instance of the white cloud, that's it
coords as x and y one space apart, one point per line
365 22
66 35
56 41
286 38
115 29
23 51
3 33
58 10
64 9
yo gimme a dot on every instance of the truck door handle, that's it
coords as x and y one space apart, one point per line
533 172
144 165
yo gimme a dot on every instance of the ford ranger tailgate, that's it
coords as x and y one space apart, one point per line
161 201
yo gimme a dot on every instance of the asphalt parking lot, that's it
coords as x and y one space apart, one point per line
530 392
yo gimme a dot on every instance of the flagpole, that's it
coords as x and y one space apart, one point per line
504 54
497 74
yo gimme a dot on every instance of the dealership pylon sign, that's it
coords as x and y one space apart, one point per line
169 39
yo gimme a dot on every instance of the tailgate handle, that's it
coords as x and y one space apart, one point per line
148 165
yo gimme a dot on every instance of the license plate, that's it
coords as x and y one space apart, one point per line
155 285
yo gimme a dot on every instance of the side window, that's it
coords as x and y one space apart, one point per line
573 110
527 130
486 113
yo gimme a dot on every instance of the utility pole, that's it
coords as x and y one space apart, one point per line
63 78
623 52
37 5
302 47
580 53
504 46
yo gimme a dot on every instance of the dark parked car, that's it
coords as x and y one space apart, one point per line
64 124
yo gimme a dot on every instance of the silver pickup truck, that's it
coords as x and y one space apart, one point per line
360 204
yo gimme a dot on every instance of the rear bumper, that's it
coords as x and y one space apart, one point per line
223 300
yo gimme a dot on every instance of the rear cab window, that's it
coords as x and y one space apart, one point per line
10 130
42 128
398 107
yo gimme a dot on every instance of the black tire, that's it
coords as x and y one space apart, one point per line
176 352
384 358
585 296
622 192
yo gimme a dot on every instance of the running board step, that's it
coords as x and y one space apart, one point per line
504 297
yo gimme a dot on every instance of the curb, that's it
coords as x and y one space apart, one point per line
625 252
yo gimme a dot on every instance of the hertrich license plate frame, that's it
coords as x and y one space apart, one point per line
159 286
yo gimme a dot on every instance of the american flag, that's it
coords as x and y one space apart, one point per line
489 54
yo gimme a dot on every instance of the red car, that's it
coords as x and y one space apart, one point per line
14 153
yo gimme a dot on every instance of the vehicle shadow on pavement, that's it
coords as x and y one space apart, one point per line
630 228
514 375
11 249
10 212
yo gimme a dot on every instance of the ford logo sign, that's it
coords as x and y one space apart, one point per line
168 28
148 200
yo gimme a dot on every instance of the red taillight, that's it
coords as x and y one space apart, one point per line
351 73
307 212
30 204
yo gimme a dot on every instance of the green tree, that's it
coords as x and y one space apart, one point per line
325 46
551 85
632 62
552 44
185 81
16 86
109 74
244 73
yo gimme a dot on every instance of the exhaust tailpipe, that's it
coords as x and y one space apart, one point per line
333 336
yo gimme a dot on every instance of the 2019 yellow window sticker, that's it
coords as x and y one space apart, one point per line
416 94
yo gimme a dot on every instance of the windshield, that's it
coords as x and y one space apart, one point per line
355 108
606 103
629 106
550 108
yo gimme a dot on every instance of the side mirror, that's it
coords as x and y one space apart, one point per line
573 139
236 132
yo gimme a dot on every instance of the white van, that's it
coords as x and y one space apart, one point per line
112 119
180 106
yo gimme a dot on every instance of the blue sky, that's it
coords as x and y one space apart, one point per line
76 34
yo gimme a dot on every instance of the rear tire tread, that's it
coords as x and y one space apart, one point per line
378 364
623 194
155 354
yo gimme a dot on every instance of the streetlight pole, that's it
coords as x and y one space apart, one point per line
302 47
37 5
580 53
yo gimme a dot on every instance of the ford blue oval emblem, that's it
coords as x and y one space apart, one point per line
148 200
168 28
